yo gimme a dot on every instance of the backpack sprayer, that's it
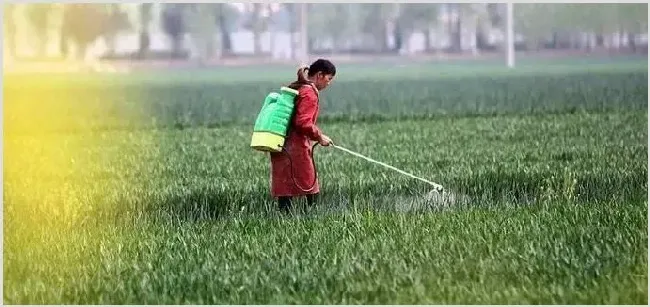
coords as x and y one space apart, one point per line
272 123
271 127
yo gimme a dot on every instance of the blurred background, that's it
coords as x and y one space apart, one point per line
139 34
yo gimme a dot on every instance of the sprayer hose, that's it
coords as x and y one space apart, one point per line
293 176
437 186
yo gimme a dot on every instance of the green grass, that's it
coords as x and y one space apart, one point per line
554 210
135 104
554 253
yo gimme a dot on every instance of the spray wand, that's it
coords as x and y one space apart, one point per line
435 185
438 187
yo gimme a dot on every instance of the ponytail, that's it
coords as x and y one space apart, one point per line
302 78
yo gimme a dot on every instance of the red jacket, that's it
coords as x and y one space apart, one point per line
301 133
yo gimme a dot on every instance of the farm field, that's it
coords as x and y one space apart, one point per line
144 191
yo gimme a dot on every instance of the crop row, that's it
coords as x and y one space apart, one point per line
556 215
100 106
551 254
210 172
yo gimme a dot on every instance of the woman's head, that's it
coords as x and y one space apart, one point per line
320 74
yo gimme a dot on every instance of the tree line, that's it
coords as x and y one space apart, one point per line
353 27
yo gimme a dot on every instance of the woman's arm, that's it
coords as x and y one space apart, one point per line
307 105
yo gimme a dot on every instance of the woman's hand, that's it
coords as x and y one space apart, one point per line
325 140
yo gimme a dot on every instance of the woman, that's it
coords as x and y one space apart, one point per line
292 170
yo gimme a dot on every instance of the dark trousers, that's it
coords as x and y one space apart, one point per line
284 202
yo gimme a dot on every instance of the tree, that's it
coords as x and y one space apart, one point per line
116 21
380 20
225 17
257 22
535 26
324 23
589 19
394 22
10 29
477 17
203 28
292 13
336 21
38 16
418 17
454 26
144 11
174 25
538 21
257 26
633 19
82 24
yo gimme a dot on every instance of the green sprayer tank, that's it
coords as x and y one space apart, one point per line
273 120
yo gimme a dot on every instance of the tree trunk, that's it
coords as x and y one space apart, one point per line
110 34
458 46
336 45
145 37
382 33
618 41
176 46
82 50
631 41
455 31
10 25
427 40
143 43
211 52
450 27
397 34
293 12
272 37
294 54
257 44
575 43
38 16
600 40
310 48
110 45
306 43
588 42
41 43
63 42
226 44
475 35
217 44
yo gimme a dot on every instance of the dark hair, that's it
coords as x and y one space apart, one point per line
320 65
